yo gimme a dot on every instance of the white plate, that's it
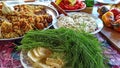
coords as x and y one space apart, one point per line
98 22
109 1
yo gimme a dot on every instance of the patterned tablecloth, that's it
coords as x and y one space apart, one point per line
112 57
9 56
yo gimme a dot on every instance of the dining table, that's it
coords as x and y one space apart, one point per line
110 39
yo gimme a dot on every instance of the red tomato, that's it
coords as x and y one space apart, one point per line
66 1
117 17
62 5
65 4
77 5
68 7
81 4
115 11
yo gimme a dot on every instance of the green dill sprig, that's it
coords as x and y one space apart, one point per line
81 49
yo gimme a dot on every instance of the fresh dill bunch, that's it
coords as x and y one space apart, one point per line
80 49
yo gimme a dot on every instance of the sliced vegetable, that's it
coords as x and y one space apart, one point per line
72 2
6 9
58 2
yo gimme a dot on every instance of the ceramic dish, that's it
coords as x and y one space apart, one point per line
98 22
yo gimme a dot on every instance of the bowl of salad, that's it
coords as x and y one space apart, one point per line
71 5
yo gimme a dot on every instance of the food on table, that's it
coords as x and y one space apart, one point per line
78 21
108 18
23 19
116 25
6 30
74 48
42 58
111 18
6 9
102 10
115 11
115 6
70 4
117 17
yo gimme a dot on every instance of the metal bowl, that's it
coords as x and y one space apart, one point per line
48 9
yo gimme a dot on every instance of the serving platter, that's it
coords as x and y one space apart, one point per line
98 22
48 10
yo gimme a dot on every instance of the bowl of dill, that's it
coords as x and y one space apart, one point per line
60 48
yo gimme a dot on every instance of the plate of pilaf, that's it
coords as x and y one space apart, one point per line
24 18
